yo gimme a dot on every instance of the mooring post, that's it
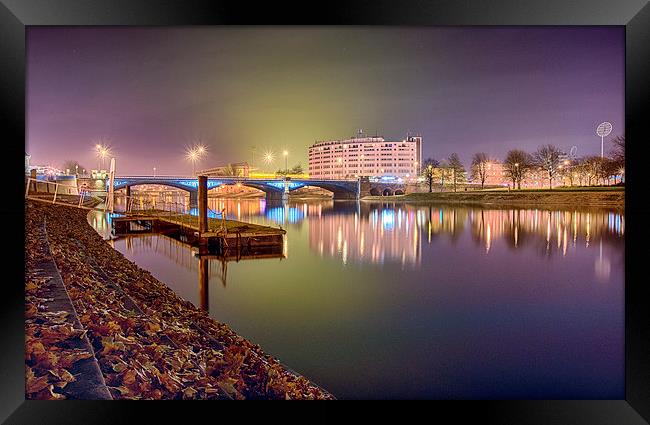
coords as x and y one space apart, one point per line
203 283
203 204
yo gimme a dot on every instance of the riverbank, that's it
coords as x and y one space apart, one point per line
148 342
606 197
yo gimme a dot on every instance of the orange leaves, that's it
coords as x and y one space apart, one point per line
228 385
109 345
35 384
128 378
70 357
152 328
104 329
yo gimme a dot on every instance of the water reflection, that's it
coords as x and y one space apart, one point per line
207 267
381 233
419 301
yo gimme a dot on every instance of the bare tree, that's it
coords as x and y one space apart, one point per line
429 166
547 158
443 172
73 165
609 168
618 150
516 165
297 169
618 156
480 163
592 167
457 169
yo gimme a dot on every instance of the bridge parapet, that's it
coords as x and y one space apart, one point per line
274 188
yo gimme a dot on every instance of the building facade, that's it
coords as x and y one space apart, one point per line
365 156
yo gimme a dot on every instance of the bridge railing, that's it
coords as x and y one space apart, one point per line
61 194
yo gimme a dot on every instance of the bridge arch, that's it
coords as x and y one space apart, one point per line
339 189
387 191
271 191
172 185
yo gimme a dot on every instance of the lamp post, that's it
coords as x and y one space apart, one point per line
340 162
286 162
98 148
268 157
154 171
517 175
192 155
102 152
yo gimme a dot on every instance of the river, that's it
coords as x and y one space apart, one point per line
382 300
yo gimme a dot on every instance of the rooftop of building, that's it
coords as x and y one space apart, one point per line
363 138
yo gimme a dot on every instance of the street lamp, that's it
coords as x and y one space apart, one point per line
340 162
269 157
517 175
286 161
102 152
192 154
154 171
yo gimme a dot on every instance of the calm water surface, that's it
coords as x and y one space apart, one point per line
375 300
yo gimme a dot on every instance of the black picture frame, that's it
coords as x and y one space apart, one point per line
15 15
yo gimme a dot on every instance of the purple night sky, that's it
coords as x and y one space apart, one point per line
149 92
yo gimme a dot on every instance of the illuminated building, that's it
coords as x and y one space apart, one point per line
366 156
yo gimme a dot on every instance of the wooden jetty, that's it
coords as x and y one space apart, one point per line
220 235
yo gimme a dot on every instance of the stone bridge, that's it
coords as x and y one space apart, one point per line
275 189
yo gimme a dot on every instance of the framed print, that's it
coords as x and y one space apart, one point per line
427 201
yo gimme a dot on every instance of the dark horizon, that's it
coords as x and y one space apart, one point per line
464 89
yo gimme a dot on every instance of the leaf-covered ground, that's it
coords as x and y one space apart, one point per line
150 343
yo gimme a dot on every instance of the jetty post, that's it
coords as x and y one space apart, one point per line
203 283
203 204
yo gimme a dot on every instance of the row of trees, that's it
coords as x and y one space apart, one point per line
297 169
553 164
548 160
450 169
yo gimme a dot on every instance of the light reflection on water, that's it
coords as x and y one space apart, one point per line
392 300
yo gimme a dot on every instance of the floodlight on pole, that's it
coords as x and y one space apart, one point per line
603 130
